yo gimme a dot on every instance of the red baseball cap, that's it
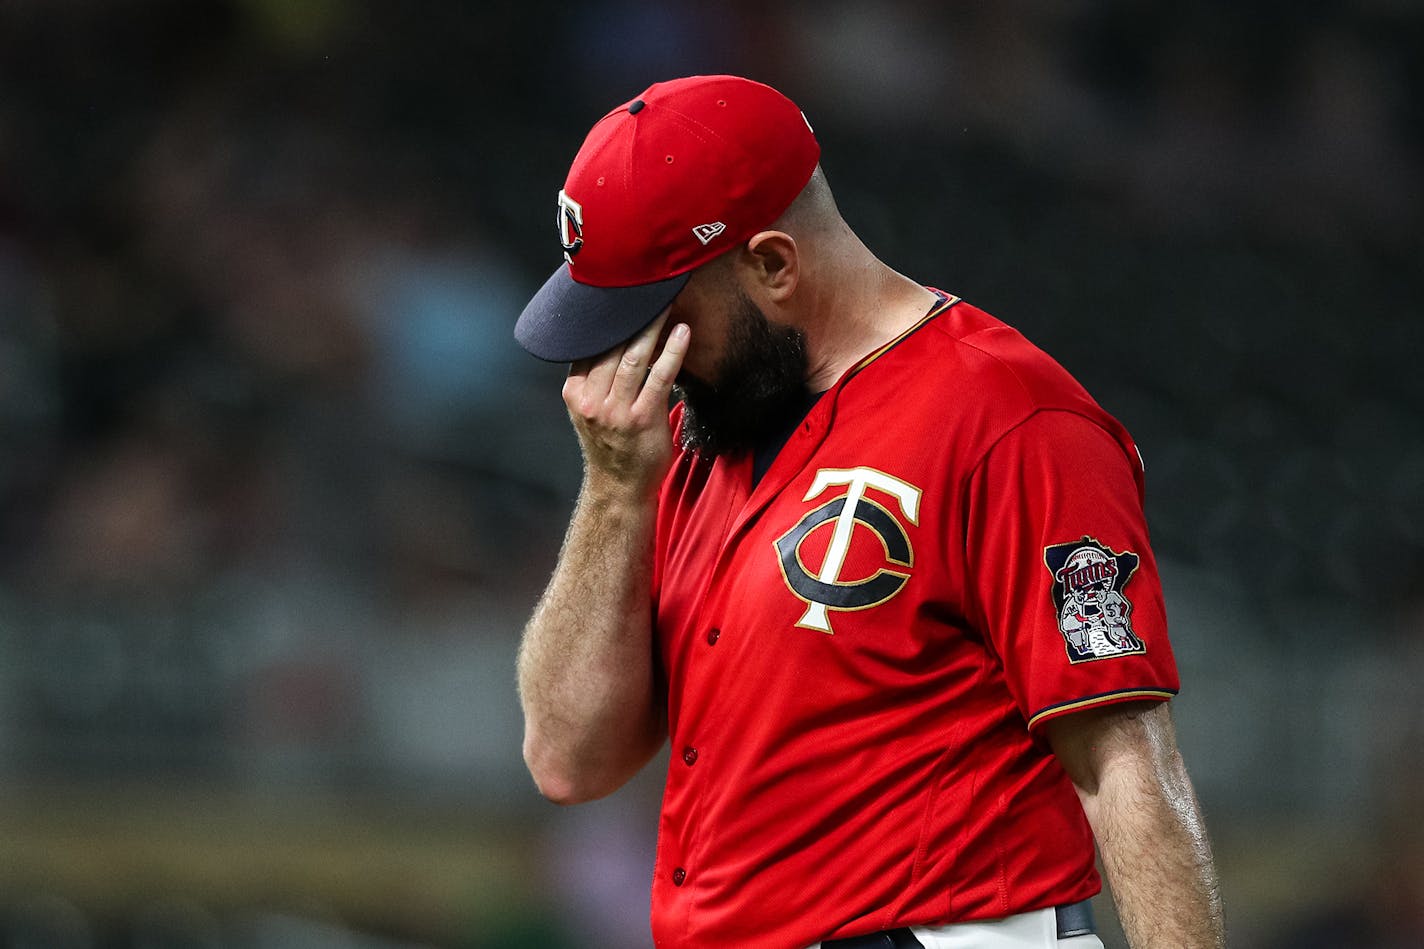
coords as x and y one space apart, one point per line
664 183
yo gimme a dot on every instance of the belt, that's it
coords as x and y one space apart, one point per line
885 939
1074 919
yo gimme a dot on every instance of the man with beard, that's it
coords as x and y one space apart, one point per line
835 582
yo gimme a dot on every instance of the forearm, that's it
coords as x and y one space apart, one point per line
585 664
1155 849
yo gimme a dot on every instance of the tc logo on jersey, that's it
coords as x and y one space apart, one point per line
825 589
1093 615
569 221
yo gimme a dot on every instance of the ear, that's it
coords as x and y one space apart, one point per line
770 265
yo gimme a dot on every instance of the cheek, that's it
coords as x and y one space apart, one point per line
699 361
693 361
702 354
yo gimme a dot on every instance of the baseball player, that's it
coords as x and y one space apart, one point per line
882 579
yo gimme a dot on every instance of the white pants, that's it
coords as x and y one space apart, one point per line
1035 930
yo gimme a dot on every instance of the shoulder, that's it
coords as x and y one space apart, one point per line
985 351
974 375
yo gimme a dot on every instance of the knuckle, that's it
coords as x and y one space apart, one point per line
586 407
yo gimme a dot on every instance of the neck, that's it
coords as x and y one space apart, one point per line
860 306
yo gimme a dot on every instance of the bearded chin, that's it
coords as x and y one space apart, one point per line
760 384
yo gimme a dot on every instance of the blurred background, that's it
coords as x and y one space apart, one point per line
277 488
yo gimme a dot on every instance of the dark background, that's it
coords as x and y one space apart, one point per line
277 488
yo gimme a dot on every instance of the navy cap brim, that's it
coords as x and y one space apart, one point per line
567 320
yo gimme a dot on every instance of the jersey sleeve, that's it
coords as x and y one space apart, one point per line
1061 573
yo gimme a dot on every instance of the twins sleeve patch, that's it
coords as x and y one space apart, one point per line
1094 615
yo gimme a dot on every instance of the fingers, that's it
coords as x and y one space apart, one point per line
631 368
658 387
618 404
618 373
590 379
598 379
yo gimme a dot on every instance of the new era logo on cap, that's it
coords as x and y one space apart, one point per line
705 232
717 149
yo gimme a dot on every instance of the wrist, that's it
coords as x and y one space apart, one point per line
610 492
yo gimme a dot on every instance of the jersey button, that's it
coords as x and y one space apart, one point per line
689 756
713 635
678 876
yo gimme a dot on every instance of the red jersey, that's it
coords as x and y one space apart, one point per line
860 649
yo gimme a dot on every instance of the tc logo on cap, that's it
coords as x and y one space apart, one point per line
569 221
